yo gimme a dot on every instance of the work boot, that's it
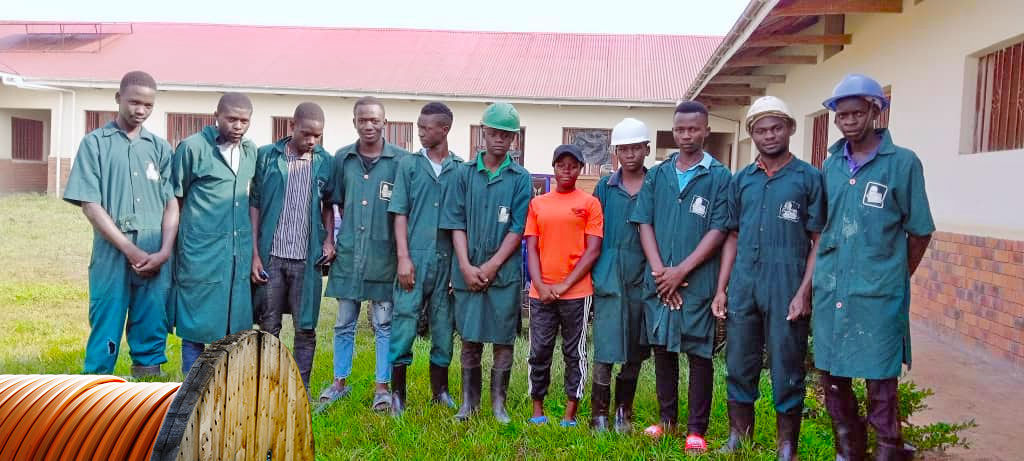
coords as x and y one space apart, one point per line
625 389
886 452
397 390
499 391
847 427
741 426
471 384
140 371
600 395
439 386
788 434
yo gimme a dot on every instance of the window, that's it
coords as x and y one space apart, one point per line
181 126
280 127
26 139
819 139
664 145
95 119
999 108
883 118
476 143
596 146
399 134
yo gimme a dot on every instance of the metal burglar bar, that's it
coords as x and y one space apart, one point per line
399 134
281 127
999 119
181 126
819 139
95 119
26 139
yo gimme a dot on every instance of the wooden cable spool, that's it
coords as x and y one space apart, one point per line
243 399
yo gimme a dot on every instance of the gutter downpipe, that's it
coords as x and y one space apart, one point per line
19 82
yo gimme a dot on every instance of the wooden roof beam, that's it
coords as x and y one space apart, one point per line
720 101
801 39
770 59
821 7
749 79
731 90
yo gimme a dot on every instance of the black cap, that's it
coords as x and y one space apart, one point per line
568 149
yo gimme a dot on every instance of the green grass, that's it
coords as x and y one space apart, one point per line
44 253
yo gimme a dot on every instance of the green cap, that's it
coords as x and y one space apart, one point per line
502 116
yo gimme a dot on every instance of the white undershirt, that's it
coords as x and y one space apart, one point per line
232 154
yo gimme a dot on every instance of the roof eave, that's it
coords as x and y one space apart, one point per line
752 16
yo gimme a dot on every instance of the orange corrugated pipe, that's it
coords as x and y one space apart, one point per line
73 417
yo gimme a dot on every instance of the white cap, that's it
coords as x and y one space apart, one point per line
630 131
766 106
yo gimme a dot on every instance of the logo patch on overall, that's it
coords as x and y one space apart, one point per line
874 194
790 211
385 190
503 214
151 173
699 206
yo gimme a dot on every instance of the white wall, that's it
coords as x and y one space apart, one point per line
41 115
927 54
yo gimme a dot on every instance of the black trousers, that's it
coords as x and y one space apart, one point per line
666 383
283 295
547 320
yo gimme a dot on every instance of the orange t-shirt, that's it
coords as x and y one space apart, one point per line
561 223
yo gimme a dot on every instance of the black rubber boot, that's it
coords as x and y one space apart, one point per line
398 390
741 426
788 434
471 385
439 386
499 391
600 396
625 389
894 453
847 427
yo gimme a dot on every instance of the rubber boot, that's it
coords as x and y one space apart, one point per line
600 395
625 389
397 390
471 385
894 453
848 429
439 386
499 391
788 434
741 426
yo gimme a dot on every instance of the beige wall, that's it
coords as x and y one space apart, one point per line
928 55
543 122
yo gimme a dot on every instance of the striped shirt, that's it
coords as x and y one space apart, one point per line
291 238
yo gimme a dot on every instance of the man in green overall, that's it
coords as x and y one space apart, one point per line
424 256
120 179
486 206
363 184
776 211
211 174
879 226
290 212
619 334
682 212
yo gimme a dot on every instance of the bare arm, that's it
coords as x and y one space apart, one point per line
719 305
800 306
650 246
150 265
406 270
672 278
327 218
257 269
583 266
916 246
544 291
509 246
471 274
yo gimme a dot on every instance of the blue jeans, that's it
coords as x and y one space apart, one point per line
345 335
189 354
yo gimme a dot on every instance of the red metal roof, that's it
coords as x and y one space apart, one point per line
557 66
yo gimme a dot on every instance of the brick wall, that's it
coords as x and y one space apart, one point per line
971 289
51 173
19 176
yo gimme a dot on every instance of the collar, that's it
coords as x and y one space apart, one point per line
111 127
760 166
389 150
450 158
280 147
885 147
705 162
616 178
504 165
210 132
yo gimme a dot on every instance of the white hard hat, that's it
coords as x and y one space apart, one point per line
630 131
768 106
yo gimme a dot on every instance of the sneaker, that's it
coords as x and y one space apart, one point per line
696 444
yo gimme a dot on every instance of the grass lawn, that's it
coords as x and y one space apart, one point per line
44 254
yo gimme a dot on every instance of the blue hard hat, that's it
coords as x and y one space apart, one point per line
858 85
